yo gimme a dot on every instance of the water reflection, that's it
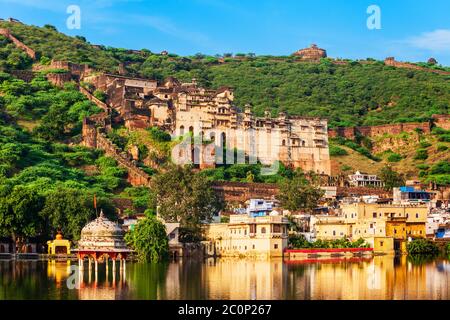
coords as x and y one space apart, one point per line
374 278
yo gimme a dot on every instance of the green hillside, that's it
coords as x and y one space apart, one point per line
356 93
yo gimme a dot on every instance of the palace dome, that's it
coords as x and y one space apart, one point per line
102 234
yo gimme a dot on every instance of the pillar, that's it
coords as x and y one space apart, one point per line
82 264
107 269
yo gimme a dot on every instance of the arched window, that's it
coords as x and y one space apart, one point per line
182 131
303 144
283 143
263 230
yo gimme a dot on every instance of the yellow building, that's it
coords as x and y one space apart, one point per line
386 227
248 236
59 245
332 228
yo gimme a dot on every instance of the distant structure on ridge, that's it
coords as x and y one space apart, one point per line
312 53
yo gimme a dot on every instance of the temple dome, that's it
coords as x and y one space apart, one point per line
103 234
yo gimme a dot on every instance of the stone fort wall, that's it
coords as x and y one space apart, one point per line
442 121
392 62
7 33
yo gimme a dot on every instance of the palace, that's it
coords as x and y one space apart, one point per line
248 235
212 117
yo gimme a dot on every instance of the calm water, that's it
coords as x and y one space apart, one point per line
377 278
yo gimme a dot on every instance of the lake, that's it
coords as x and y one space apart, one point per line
379 278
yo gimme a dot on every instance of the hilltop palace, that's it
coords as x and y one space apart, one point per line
216 124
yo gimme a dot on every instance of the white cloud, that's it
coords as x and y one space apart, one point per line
436 41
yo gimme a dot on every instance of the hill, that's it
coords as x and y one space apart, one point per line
348 93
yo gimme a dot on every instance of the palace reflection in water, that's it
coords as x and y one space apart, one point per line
374 278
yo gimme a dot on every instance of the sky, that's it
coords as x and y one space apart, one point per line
410 30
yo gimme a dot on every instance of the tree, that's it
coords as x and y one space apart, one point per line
185 197
19 216
67 210
422 246
391 178
149 240
299 194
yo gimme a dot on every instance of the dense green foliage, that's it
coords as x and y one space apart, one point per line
439 173
149 240
299 193
360 145
185 197
246 173
422 246
356 93
391 178
336 151
37 167
12 58
299 242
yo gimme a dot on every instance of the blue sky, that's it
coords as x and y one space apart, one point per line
410 30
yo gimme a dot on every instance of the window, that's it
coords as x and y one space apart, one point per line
381 243
334 233
263 230
374 214
253 247
275 246
417 216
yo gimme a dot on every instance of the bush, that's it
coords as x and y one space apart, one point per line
336 151
149 240
300 242
423 166
422 246
159 135
425 144
444 138
421 154
100 95
441 147
394 157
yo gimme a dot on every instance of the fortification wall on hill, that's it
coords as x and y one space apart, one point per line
442 121
25 75
93 99
7 33
392 62
78 71
136 176
374 131
241 192
59 79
